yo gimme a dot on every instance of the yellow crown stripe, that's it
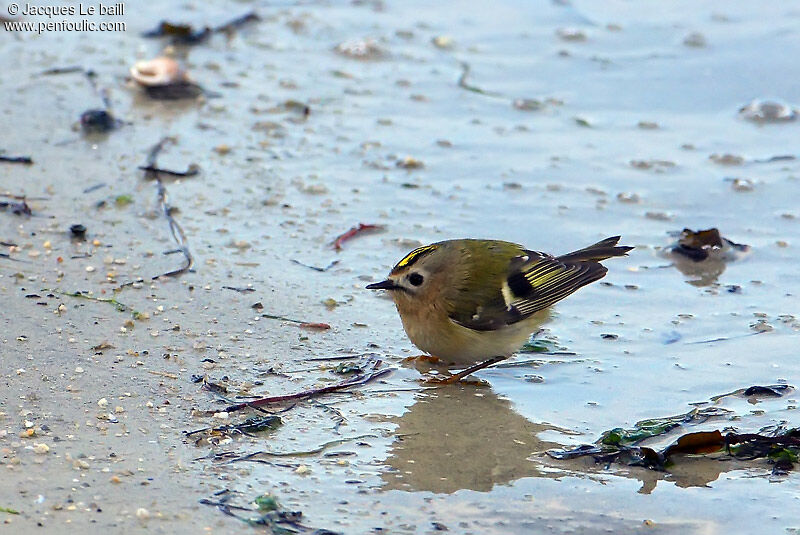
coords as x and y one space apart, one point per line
412 257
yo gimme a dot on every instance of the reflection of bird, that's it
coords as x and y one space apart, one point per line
469 300
478 442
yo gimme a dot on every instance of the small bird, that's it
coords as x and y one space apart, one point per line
465 301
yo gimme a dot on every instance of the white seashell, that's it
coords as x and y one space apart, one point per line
160 71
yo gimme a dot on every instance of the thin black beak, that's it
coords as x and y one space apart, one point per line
388 284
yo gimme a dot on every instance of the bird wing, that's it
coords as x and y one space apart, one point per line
543 280
534 282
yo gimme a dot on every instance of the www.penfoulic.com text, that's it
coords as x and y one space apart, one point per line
44 18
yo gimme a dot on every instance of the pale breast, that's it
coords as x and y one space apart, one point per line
438 335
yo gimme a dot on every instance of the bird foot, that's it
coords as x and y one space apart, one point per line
464 373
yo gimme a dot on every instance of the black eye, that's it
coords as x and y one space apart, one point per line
415 279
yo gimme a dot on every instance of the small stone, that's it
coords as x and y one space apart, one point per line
361 49
658 216
142 513
445 42
695 40
768 112
527 104
742 184
726 159
628 197
571 34
102 403
761 326
410 163
40 449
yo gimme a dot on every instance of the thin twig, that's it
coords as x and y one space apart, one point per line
192 170
358 380
121 307
302 453
338 242
62 70
316 268
25 160
339 357
462 83
724 338
205 501
8 256
240 290
177 231
300 323
163 374
95 187
238 22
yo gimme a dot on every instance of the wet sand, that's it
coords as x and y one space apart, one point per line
570 123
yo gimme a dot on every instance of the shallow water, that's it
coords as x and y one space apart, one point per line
554 178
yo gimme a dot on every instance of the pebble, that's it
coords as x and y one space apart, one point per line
695 40
571 34
361 49
726 159
445 42
742 184
768 112
628 197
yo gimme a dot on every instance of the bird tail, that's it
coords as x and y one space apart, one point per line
596 252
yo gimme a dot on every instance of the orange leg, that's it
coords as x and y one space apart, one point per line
463 373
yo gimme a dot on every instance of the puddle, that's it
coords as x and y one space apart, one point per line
552 125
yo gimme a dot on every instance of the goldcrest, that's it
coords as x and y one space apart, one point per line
468 300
